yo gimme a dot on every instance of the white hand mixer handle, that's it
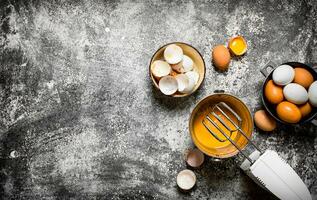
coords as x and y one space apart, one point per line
271 172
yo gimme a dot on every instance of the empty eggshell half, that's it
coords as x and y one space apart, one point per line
186 179
185 65
173 54
190 86
182 82
195 158
168 85
193 75
160 68
188 63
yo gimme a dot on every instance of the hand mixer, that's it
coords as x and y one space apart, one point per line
267 168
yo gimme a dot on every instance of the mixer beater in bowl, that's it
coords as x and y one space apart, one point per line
267 168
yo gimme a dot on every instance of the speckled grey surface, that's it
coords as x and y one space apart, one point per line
78 107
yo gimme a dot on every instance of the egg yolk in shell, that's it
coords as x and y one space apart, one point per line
238 45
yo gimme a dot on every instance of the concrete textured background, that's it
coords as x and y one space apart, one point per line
79 110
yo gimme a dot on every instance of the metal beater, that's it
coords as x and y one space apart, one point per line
222 107
267 168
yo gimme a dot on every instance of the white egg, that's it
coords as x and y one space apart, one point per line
312 94
168 85
173 54
182 82
295 93
283 75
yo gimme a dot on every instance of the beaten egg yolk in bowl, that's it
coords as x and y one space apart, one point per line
208 143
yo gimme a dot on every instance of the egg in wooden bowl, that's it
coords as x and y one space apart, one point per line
177 69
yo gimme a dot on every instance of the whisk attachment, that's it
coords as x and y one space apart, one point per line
225 118
267 168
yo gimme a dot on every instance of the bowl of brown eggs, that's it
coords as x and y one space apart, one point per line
289 92
177 69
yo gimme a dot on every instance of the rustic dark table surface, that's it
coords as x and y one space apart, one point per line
80 119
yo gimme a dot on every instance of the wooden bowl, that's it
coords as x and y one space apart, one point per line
205 141
199 65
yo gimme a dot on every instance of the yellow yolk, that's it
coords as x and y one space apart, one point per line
238 46
208 140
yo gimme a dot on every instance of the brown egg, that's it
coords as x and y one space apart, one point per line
305 109
273 93
264 121
288 112
303 77
221 57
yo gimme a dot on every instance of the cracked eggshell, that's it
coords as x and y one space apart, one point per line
193 75
312 94
188 63
173 73
195 158
178 67
168 85
173 54
190 86
182 82
295 93
186 179
185 65
160 68
283 75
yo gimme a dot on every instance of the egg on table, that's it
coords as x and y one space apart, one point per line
312 94
273 93
303 77
295 93
283 75
288 112
264 121
221 57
